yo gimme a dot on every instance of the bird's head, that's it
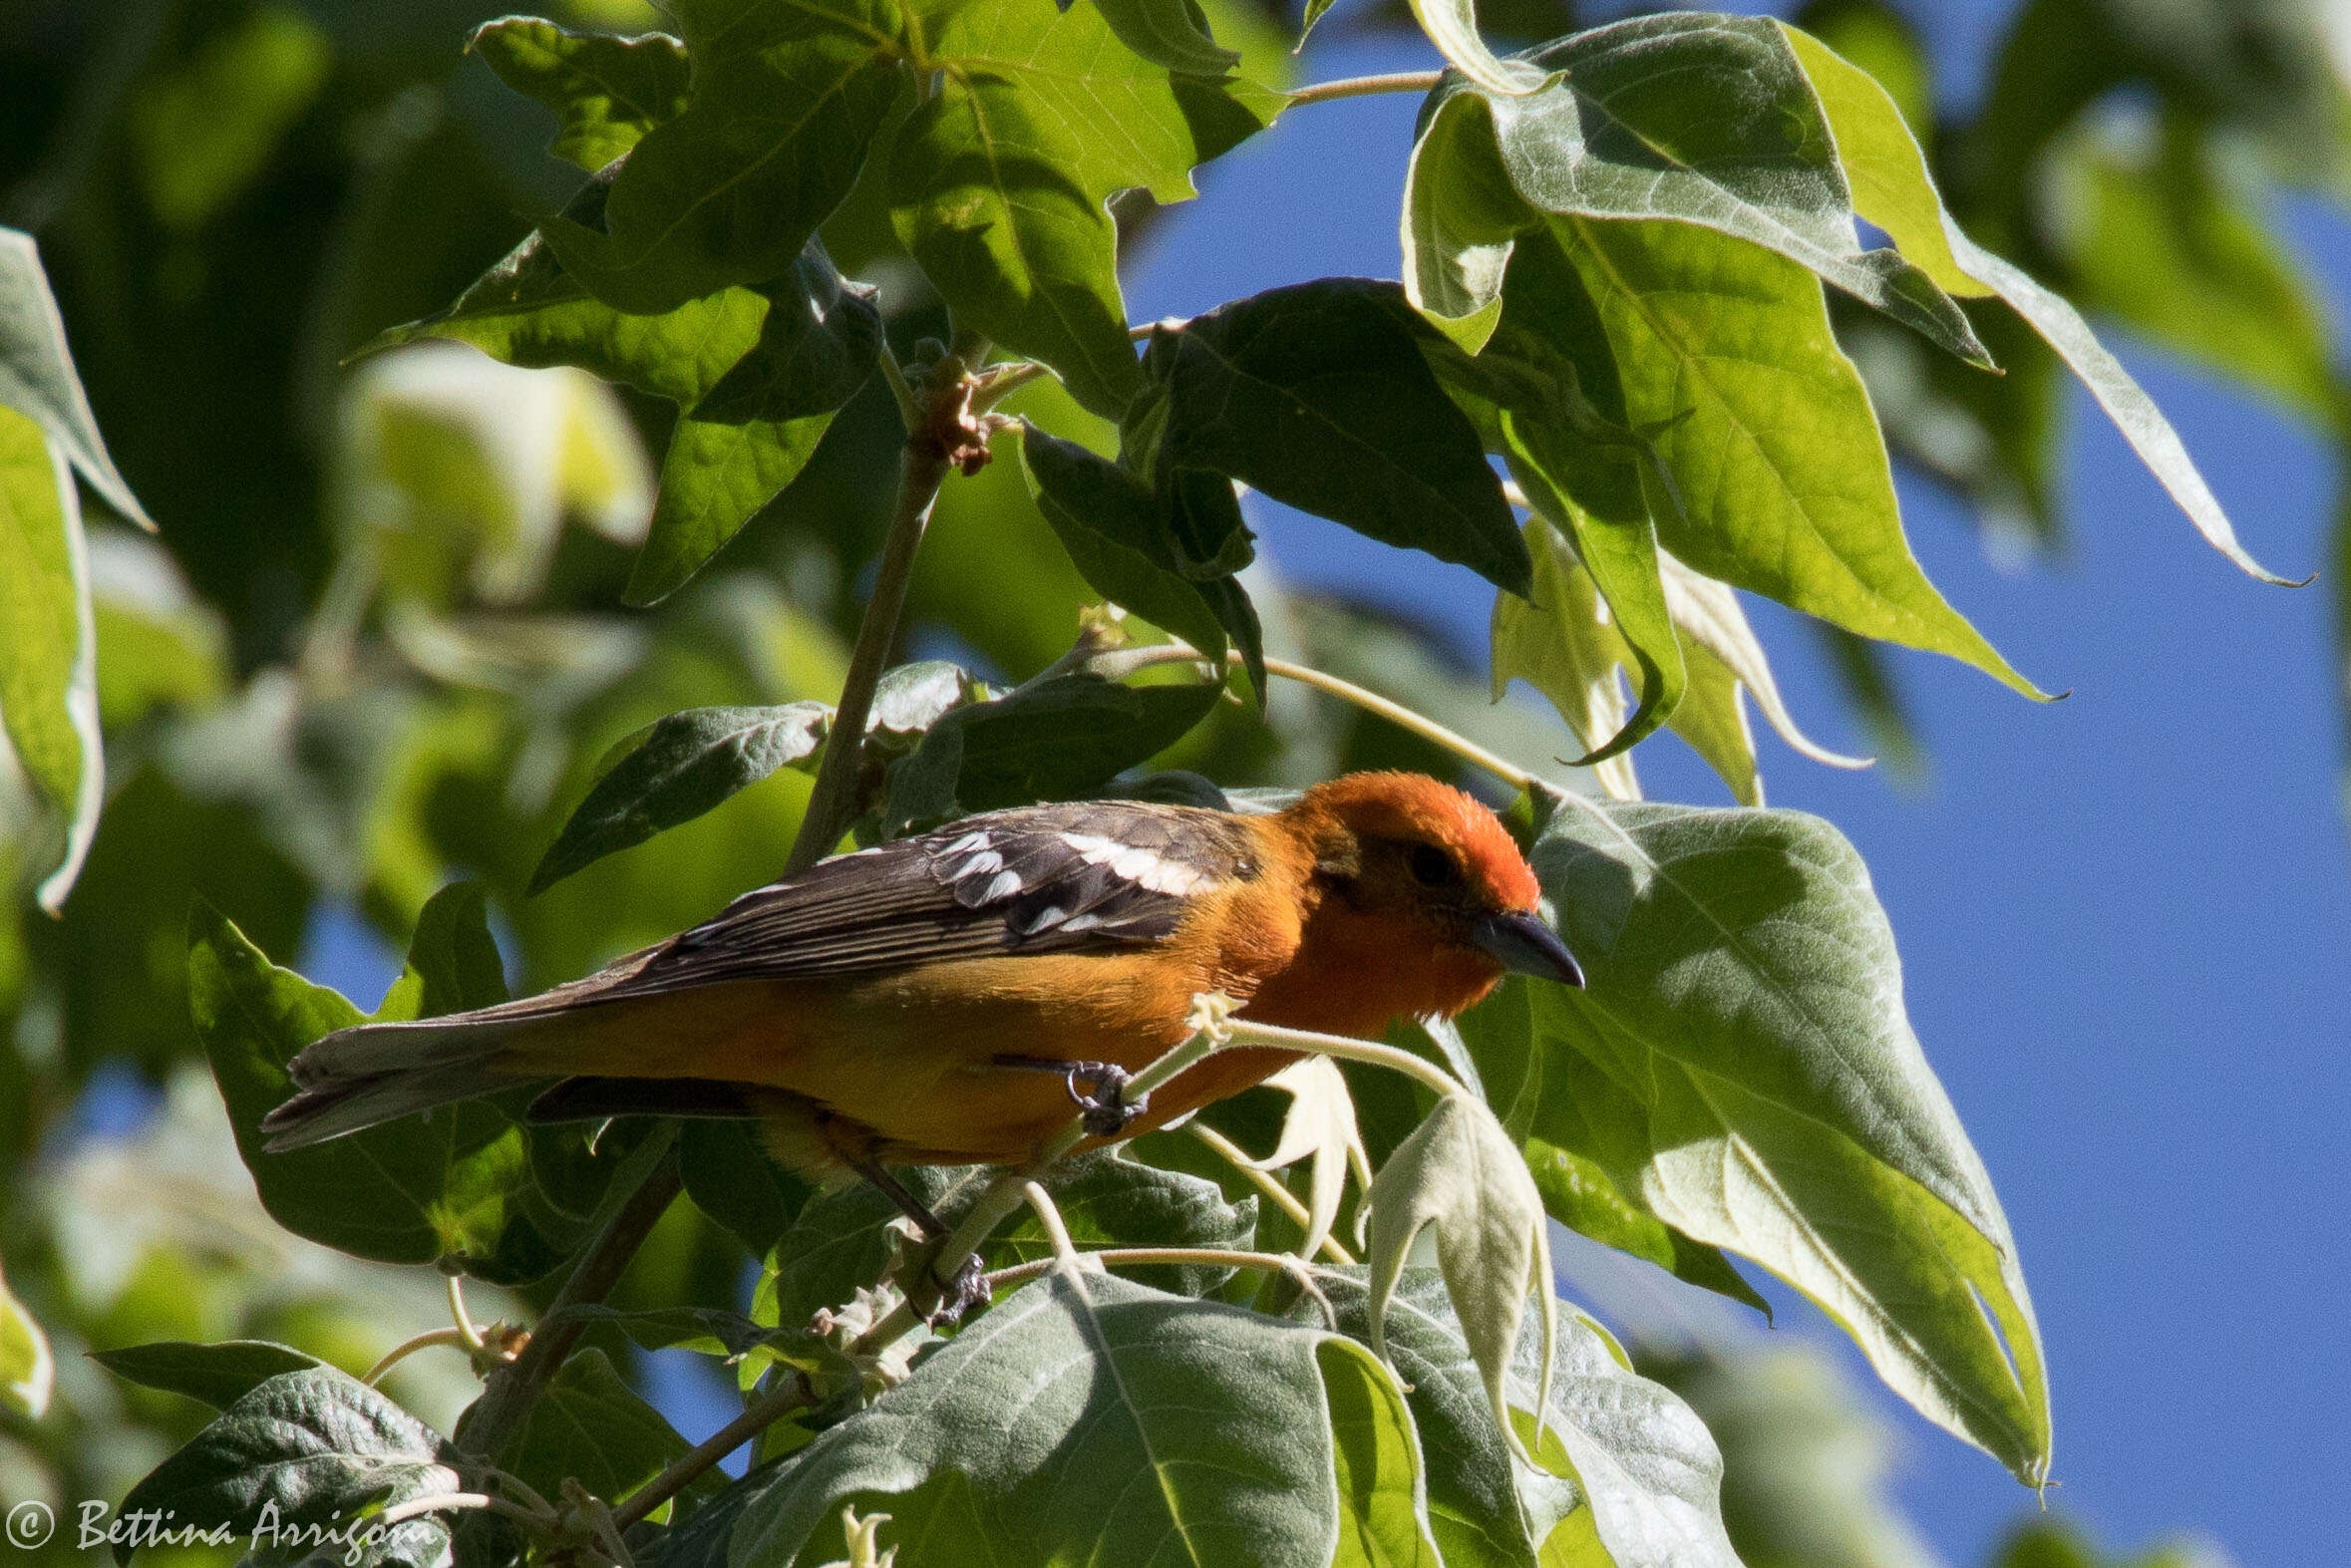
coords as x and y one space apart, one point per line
1425 870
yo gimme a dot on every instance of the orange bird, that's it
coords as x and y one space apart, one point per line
914 1003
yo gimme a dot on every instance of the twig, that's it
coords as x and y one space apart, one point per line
513 1388
1125 661
1366 85
757 1418
1283 1198
467 1332
922 468
1419 1069
1049 1216
1147 1257
446 1503
408 1347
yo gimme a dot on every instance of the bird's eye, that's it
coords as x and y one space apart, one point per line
1432 866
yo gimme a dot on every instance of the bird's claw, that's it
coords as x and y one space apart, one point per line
968 1289
1108 1111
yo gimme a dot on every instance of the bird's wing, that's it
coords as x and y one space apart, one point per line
1099 875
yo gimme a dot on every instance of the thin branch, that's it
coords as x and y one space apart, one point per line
832 804
1001 381
511 1389
688 1466
408 1347
1366 85
1049 1216
1283 1198
909 407
470 1335
1125 661
450 1502
1145 1257
1419 1069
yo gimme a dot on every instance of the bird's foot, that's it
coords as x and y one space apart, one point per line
1108 1111
938 1301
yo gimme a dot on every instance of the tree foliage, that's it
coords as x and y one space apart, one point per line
519 582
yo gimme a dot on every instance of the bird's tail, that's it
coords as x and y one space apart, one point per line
373 1072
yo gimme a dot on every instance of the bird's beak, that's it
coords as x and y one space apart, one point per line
1526 946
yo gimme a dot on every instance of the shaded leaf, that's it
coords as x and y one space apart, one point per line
465 1192
1561 639
1742 1064
785 100
49 674
589 1425
606 92
219 1375
1318 395
731 1178
1171 33
1112 1202
1320 1128
1459 1174
311 1448
685 764
1057 740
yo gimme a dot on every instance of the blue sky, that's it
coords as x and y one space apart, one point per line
2124 917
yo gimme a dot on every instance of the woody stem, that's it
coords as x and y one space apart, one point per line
756 1418
922 468
1365 87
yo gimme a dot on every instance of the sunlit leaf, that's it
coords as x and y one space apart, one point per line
606 92
1562 641
49 670
1741 1064
26 1372
37 374
1171 33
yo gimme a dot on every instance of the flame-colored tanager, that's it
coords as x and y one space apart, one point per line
894 1005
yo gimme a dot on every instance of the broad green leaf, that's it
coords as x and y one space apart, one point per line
708 1331
1869 130
1699 117
1087 1418
785 100
1120 536
37 375
1318 395
1772 443
27 1370
466 1193
309 1449
590 1426
49 672
1742 1064
731 1178
1461 1176
1057 740
606 92
219 1375
997 181
1724 654
1462 218
1108 1200
838 1244
1506 1064
2164 243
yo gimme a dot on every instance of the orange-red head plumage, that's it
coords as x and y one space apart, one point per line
1415 809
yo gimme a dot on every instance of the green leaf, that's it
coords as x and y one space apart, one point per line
309 1448
37 375
1741 1064
1702 118
590 1426
1120 536
1451 25
1869 131
219 1375
1498 1038
1459 1174
606 92
1108 1200
1560 640
785 100
28 1374
997 183
731 1178
685 764
1087 1418
708 1331
1725 350
464 1195
1319 1128
49 673
1171 33
1060 739
1318 395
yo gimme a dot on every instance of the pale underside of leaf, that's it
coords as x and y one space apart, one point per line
49 684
